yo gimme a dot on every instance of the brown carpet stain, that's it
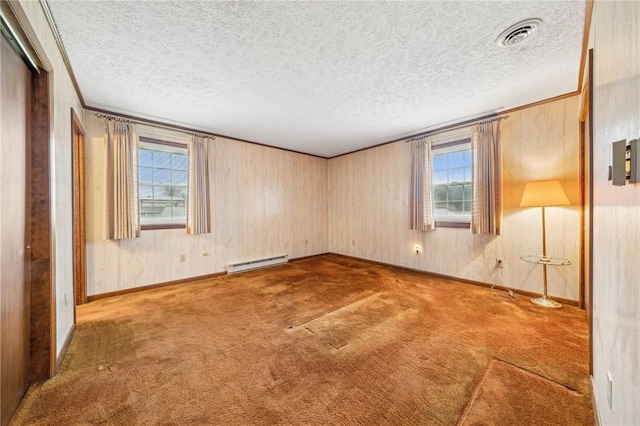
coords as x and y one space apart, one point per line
327 340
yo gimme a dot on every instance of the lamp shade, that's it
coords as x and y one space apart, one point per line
544 193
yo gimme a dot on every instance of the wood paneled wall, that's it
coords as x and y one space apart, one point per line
616 227
266 202
369 214
63 98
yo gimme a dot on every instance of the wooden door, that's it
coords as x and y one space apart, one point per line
79 229
15 107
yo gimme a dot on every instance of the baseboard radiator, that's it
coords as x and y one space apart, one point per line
235 268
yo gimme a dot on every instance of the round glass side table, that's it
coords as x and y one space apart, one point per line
544 261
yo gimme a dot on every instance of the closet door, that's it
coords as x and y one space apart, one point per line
15 104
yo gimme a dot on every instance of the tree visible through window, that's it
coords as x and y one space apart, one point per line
163 180
452 181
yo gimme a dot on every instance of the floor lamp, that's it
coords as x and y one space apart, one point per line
544 194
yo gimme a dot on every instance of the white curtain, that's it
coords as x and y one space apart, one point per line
122 180
421 197
199 200
487 179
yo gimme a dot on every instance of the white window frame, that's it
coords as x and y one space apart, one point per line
457 142
153 144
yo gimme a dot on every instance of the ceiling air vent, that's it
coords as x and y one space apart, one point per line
519 32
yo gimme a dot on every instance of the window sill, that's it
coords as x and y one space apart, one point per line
157 226
466 225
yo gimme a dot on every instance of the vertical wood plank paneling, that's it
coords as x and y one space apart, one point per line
225 188
64 97
616 229
538 144
369 198
266 202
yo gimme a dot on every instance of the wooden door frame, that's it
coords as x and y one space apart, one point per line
79 228
40 241
590 189
586 187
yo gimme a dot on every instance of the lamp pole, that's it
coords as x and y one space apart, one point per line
544 253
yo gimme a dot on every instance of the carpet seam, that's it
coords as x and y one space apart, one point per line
338 309
577 392
476 391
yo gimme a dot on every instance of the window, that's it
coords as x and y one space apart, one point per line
162 182
452 182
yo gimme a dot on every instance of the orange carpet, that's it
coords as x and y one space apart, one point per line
327 340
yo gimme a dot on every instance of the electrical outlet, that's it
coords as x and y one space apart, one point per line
609 389
353 242
306 242
500 262
183 258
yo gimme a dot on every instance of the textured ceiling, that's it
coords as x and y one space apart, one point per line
323 78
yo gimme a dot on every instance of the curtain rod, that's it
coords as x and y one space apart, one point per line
130 119
202 135
112 117
189 130
486 119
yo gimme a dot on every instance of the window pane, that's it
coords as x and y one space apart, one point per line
441 209
162 208
146 208
439 162
167 210
440 193
456 159
468 177
146 175
455 206
179 178
467 192
455 193
146 192
176 192
456 175
467 157
161 159
452 184
179 162
159 193
163 186
161 176
178 210
146 157
440 177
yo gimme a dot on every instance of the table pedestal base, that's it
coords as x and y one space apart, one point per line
546 302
